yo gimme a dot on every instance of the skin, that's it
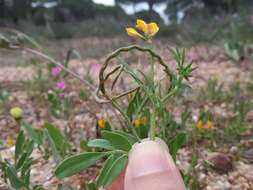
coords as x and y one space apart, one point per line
150 167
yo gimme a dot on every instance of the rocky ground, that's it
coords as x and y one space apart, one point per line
232 167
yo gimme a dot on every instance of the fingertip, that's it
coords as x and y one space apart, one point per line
151 167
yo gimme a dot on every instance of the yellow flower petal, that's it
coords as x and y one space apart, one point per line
209 125
137 122
140 121
133 33
101 123
142 25
143 120
152 28
199 124
10 141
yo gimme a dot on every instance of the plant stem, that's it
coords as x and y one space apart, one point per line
102 78
128 122
174 91
153 125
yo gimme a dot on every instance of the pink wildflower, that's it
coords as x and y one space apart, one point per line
60 85
55 71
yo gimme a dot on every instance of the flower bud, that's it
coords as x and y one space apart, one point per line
16 112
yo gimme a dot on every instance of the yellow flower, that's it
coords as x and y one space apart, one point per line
140 121
152 29
130 95
10 141
149 30
133 33
16 112
143 120
199 124
101 123
142 25
209 124
137 122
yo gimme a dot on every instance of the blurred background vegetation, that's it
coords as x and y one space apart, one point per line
180 21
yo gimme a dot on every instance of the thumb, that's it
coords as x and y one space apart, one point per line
150 167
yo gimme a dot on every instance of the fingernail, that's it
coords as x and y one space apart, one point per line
147 158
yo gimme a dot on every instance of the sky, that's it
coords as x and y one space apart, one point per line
106 2
142 6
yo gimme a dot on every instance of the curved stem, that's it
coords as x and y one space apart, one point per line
102 79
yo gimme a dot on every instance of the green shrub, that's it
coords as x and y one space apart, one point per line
115 12
74 10
62 30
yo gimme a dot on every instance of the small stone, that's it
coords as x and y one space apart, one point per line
227 185
233 150
221 162
202 177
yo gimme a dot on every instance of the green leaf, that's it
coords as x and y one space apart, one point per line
14 180
117 140
108 126
26 167
132 139
19 145
100 143
32 133
84 145
116 168
56 154
38 187
21 161
133 104
56 136
27 178
77 163
91 186
176 143
29 147
103 173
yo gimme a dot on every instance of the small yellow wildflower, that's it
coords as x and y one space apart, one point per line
140 121
199 124
149 30
209 125
16 112
130 95
10 141
101 123
133 33
137 122
144 120
152 29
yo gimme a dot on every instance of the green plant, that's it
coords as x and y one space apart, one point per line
145 101
4 99
17 174
213 92
143 115
236 124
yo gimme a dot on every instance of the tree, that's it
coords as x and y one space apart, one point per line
150 3
2 9
20 9
79 9
214 6
175 6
